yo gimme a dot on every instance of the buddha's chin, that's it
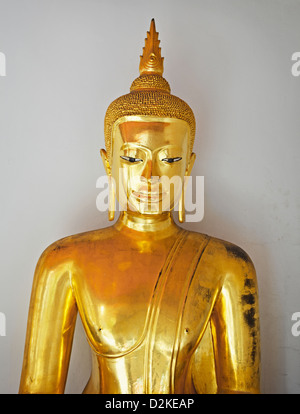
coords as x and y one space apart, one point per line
149 205
147 208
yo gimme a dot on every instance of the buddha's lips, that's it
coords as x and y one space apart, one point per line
148 195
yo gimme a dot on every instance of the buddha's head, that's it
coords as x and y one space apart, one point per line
149 136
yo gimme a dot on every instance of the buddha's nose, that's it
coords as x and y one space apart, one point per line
147 172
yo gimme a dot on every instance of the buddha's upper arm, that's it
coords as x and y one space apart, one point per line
235 324
52 298
51 322
229 353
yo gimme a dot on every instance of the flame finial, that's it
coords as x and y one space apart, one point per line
151 61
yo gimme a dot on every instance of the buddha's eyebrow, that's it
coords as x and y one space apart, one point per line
134 145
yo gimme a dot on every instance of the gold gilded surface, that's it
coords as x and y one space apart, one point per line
151 60
149 96
165 310
151 141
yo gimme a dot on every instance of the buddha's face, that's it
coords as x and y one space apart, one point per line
150 158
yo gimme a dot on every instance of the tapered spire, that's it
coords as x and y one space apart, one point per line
151 61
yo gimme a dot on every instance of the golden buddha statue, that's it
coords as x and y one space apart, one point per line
165 310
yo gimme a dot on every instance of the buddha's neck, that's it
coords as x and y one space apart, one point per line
159 224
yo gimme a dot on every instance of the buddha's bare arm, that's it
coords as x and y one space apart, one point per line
235 320
235 325
51 322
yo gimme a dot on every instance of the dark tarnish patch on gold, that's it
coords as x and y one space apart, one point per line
250 319
248 299
249 283
237 252
254 346
205 293
249 316
59 247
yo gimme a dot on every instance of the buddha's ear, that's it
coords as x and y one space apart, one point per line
105 161
190 164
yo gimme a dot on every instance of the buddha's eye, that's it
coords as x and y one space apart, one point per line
170 160
131 159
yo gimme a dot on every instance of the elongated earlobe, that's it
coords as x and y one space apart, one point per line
111 186
191 164
181 208
112 199
105 161
181 205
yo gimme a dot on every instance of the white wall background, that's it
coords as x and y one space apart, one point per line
231 61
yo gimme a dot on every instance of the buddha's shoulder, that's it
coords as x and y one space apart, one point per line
223 254
70 246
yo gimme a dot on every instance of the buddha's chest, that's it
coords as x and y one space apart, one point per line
161 304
